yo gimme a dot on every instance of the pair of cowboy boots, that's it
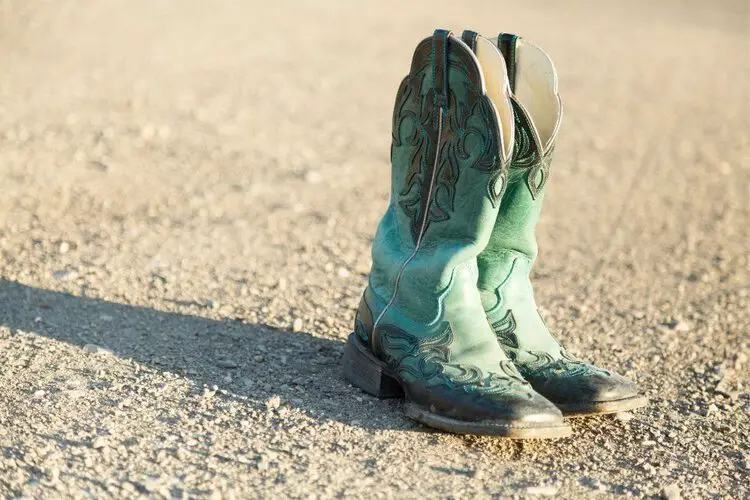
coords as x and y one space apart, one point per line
448 319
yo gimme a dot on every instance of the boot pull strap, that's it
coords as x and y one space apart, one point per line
506 42
440 67
470 38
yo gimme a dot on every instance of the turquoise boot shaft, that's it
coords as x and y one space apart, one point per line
507 295
420 330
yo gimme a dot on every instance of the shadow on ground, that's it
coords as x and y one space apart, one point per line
254 361
251 363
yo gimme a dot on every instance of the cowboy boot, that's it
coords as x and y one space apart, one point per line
575 386
420 331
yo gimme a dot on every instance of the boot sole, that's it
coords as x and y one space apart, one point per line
365 371
602 407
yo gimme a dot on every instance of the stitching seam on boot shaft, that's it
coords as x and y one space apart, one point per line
440 103
375 337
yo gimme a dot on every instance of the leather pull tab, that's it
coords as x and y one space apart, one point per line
470 38
506 42
440 67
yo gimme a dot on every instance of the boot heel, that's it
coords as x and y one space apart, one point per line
366 372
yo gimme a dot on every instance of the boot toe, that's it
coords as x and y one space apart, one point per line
599 392
535 410
526 409
521 414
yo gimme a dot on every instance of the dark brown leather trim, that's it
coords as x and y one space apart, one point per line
440 40
375 343
419 98
527 151
363 320
440 66
506 42
470 38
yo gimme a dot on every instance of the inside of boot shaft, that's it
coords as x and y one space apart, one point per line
497 85
536 89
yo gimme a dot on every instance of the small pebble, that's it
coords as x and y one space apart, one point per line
62 275
95 349
273 403
740 360
99 443
313 177
680 326
672 492
711 410
53 474
297 325
148 131
624 416
227 363
592 482
543 491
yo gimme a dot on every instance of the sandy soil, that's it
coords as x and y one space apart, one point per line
187 196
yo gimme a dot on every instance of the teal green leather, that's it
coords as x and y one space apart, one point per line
422 312
505 264
507 294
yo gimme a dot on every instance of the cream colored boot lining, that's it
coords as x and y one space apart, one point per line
498 89
536 89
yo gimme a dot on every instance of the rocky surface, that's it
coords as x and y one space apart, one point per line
187 196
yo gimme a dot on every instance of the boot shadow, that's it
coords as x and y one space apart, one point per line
262 361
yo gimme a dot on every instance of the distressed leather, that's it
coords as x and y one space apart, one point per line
422 313
504 277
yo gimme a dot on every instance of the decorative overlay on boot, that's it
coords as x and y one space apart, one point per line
576 387
420 330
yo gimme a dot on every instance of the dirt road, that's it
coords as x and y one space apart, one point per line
188 191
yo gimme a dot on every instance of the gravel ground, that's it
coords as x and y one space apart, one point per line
188 195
